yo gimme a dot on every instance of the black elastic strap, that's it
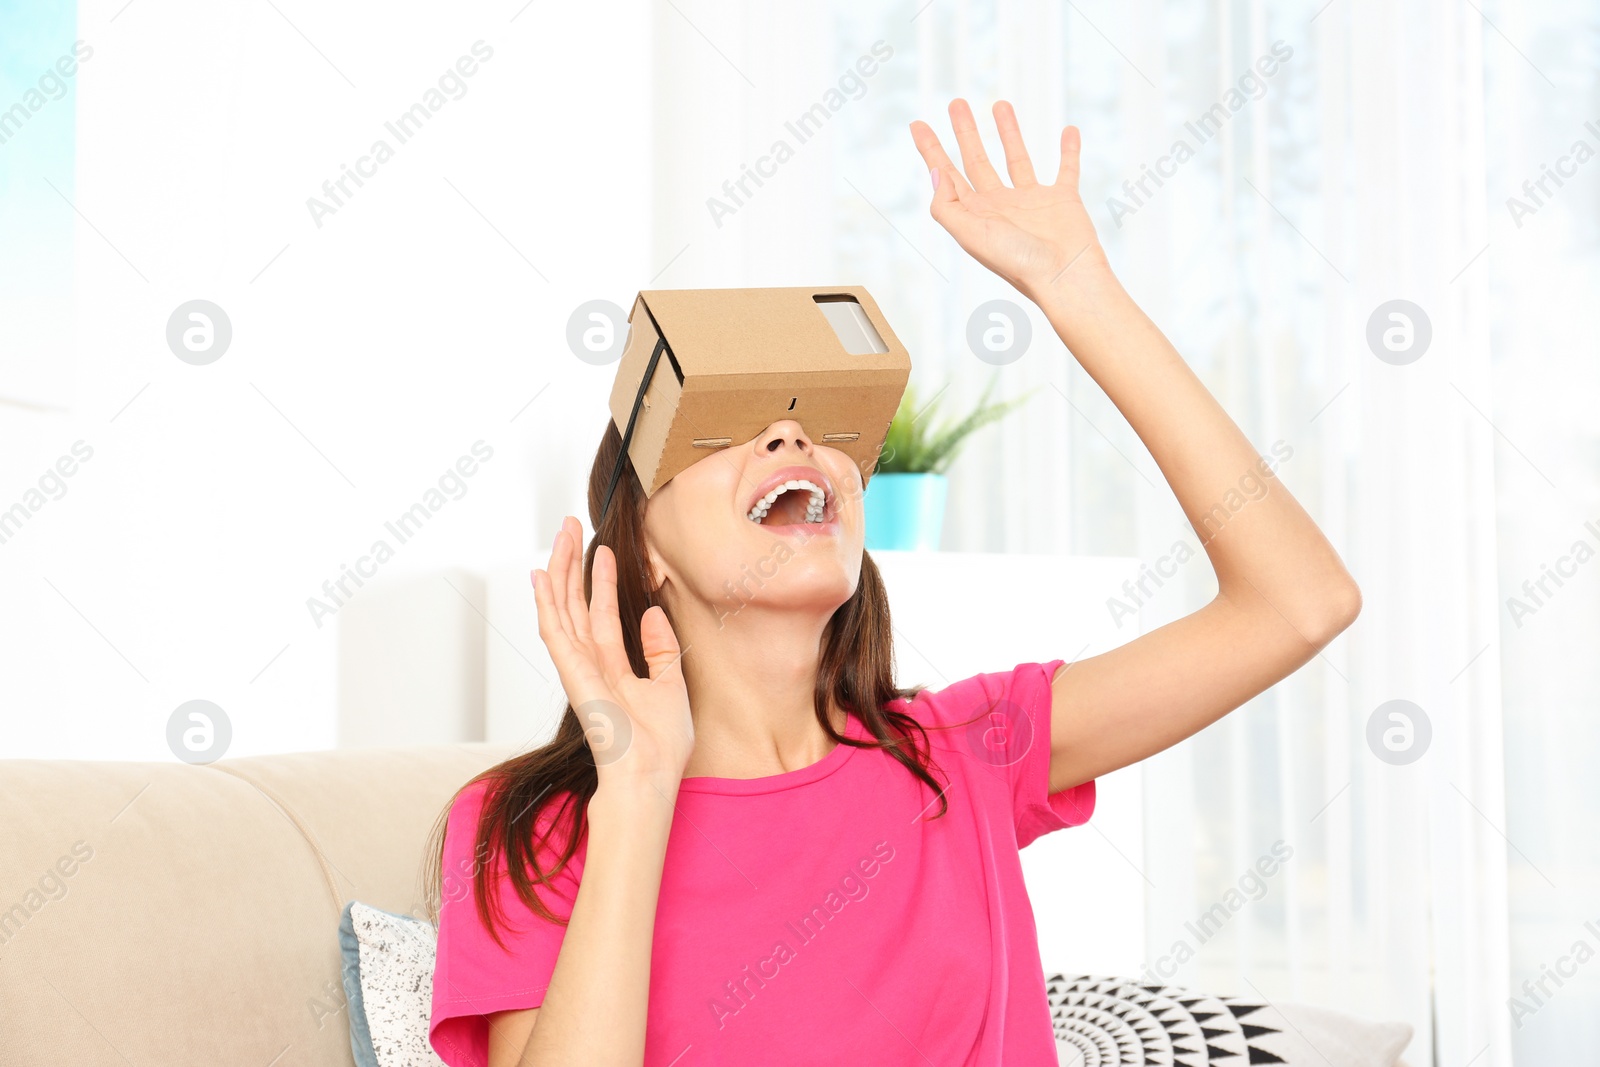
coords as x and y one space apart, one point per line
627 435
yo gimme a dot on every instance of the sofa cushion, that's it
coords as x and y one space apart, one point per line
367 812
350 975
388 981
1104 1022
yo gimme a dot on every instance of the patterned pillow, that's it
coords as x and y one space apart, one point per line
388 981
1118 1022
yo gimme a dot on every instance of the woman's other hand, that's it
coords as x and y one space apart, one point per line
1037 237
638 728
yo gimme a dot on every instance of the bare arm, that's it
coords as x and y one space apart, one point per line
594 1010
1282 593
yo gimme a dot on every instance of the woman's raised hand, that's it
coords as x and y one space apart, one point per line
636 727
1034 236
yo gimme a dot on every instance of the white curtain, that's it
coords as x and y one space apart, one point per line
1543 98
1359 153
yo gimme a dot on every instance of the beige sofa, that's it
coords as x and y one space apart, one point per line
167 914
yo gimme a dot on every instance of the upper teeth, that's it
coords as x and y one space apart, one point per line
814 510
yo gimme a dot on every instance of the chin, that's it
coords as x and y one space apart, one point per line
813 577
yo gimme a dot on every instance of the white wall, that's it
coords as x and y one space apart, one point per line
367 354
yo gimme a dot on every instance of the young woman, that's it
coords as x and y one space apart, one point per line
761 851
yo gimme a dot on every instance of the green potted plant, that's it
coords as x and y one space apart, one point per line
905 499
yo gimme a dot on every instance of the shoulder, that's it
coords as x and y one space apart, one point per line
994 717
1023 690
498 798
474 869
466 812
468 802
552 809
463 857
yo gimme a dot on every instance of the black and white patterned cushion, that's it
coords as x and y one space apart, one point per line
1119 1022
388 981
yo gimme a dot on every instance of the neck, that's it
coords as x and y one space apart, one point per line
752 690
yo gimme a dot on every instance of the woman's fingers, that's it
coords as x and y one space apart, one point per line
579 678
604 618
560 562
551 632
577 603
660 646
973 157
951 183
1071 146
585 641
1018 165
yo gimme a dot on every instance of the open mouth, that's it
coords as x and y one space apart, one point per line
798 501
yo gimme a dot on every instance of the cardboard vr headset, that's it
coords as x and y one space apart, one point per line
703 369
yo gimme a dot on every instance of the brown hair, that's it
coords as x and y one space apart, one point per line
856 672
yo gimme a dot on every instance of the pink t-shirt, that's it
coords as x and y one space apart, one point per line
821 915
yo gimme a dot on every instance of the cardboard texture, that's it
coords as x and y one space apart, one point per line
738 360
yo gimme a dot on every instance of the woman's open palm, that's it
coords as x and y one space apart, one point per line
1027 233
634 725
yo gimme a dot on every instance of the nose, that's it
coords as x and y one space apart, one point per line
784 434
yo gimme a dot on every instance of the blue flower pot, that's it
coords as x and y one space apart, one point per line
905 512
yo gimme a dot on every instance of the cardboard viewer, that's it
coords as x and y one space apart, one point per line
703 369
